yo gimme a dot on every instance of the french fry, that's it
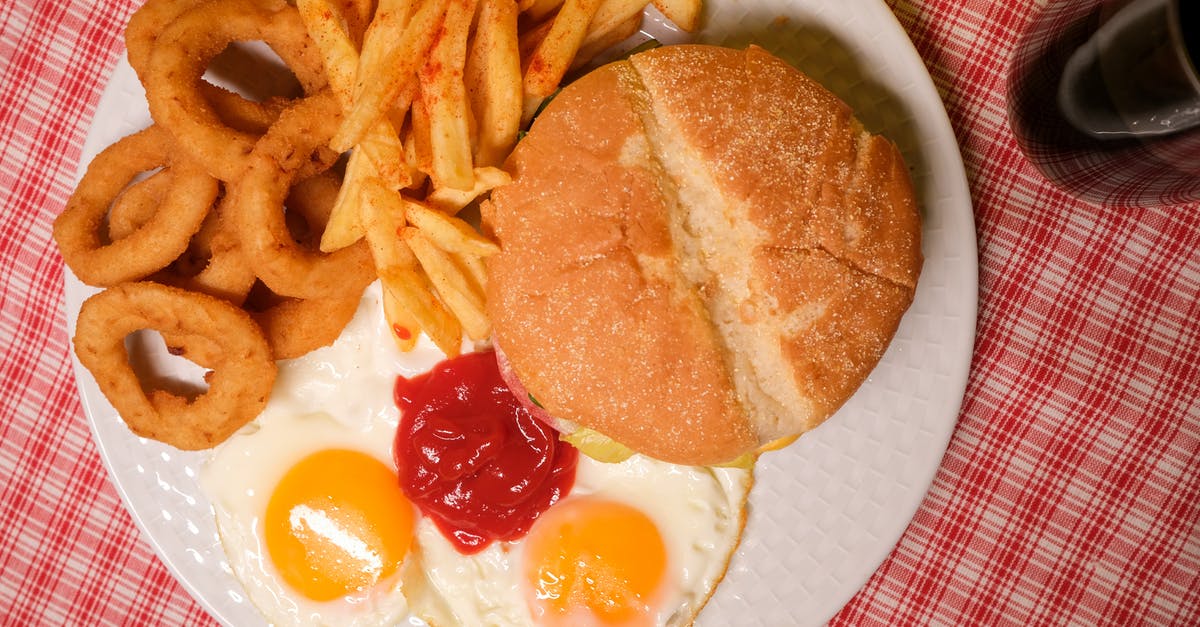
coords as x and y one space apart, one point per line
528 41
345 225
398 270
474 267
390 17
421 152
383 218
449 233
553 55
592 48
324 24
683 13
453 286
445 97
404 51
493 81
538 10
405 327
381 143
412 152
452 200
412 291
611 15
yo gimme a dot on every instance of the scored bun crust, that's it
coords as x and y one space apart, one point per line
702 251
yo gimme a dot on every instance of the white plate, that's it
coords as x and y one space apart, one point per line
826 511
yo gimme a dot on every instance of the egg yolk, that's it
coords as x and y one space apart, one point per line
337 523
594 561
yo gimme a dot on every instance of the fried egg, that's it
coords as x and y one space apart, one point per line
311 517
640 542
315 525
312 520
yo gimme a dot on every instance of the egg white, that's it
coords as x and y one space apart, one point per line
699 513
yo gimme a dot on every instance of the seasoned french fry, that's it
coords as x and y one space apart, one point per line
553 55
493 81
390 17
323 22
592 48
384 217
341 60
450 233
398 270
412 152
474 267
405 327
612 14
537 10
421 152
452 200
412 291
683 13
345 225
452 284
382 144
445 97
404 51
528 41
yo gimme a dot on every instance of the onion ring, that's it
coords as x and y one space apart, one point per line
295 327
143 30
182 52
195 348
79 230
211 264
214 263
240 114
137 204
295 143
144 27
239 383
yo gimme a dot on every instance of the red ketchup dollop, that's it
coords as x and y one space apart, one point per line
471 456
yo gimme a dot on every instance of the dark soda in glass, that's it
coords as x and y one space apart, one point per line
1104 98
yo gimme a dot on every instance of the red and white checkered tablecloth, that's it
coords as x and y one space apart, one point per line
1070 492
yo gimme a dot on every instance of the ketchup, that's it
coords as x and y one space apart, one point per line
472 458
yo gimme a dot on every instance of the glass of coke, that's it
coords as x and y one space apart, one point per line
1104 98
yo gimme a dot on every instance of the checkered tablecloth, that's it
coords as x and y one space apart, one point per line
1070 492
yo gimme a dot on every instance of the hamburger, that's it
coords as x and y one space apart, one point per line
702 252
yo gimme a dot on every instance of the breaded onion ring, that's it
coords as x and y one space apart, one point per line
195 348
143 30
144 27
238 385
80 229
137 204
286 266
182 52
239 113
213 262
295 327
153 17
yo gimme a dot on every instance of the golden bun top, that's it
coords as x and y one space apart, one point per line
702 251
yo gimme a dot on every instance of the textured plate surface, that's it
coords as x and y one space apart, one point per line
826 511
